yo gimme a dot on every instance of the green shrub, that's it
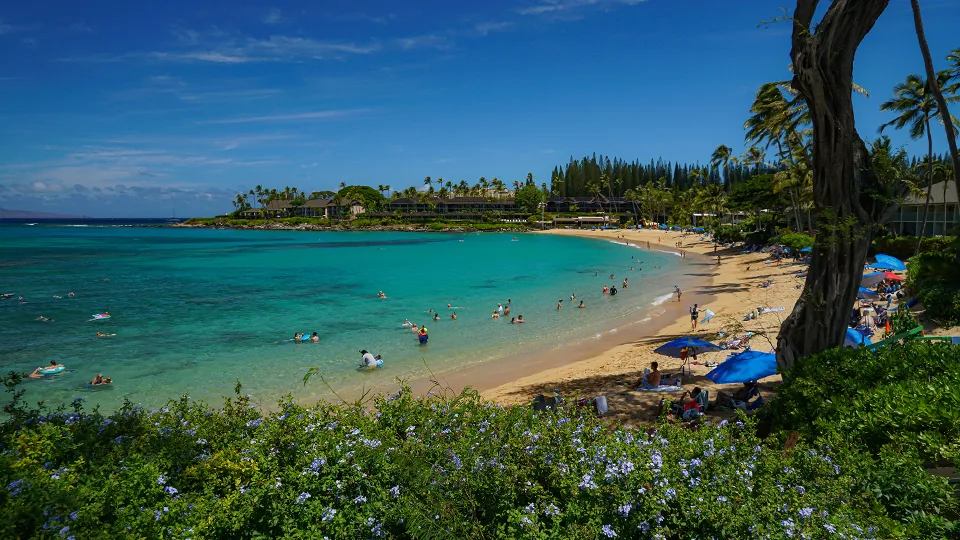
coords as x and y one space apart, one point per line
899 407
794 241
728 233
415 468
902 247
935 278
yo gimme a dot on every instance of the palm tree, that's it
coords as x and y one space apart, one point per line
915 104
529 178
595 189
721 156
754 156
632 197
343 185
516 187
427 181
381 188
933 80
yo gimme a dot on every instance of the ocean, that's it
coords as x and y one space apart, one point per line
197 310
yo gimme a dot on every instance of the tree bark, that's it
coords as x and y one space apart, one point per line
941 103
926 203
842 175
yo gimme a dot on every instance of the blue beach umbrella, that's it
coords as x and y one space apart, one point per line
672 348
889 262
866 294
872 279
806 250
744 367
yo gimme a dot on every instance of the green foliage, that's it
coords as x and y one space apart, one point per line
414 468
728 233
935 278
794 241
897 408
902 247
756 194
528 199
372 199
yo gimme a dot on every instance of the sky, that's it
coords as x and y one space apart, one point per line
160 108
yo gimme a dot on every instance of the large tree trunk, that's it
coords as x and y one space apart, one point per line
926 203
842 176
941 103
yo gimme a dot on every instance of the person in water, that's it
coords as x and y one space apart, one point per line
436 316
500 308
44 319
297 337
99 379
101 334
581 305
70 294
454 315
625 282
560 304
367 360
406 323
506 309
513 320
36 374
613 291
423 335
573 296
315 338
519 318
415 328
605 289
496 315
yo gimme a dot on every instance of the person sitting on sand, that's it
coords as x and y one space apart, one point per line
689 409
581 306
650 380
454 315
740 398
495 315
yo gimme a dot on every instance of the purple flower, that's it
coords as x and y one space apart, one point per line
671 493
328 513
171 490
587 482
360 500
806 512
830 528
524 521
608 531
302 498
64 530
624 510
255 422
74 515
162 480
551 510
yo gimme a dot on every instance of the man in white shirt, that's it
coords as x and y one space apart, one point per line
368 360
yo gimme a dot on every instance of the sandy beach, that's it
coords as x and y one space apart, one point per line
730 289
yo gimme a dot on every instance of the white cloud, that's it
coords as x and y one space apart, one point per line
333 114
484 28
432 41
547 7
272 16
80 27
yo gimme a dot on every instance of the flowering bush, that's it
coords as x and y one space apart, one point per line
411 467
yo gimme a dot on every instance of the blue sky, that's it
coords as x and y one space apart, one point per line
116 109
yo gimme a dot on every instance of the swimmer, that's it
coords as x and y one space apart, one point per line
519 319
595 274
573 296
381 296
44 319
506 310
605 289
625 282
415 328
581 306
406 323
106 279
449 306
315 338
514 238
611 276
297 337
631 269
436 316
36 374
70 294
101 334
454 316
57 296
513 320
99 379
560 304
495 315
500 308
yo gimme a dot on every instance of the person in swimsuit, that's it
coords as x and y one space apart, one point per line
560 304
694 315
98 379
315 338
436 316
581 305
520 319
454 315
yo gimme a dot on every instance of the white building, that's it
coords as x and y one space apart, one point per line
943 204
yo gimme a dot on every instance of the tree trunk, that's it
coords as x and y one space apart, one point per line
842 176
941 103
926 203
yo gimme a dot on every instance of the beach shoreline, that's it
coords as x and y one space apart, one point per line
730 290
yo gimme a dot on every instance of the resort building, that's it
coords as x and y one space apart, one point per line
943 209
314 208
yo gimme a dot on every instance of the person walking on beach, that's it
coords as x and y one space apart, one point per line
678 291
694 316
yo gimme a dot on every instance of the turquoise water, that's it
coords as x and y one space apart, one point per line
196 310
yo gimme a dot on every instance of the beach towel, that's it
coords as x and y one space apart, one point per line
661 389
772 310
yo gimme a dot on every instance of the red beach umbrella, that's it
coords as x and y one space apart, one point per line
890 276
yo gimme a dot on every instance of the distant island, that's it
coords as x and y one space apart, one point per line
27 214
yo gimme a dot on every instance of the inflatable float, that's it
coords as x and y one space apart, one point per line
52 371
100 316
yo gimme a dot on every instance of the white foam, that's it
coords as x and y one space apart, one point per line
677 253
661 299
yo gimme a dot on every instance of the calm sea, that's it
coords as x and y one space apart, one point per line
197 310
